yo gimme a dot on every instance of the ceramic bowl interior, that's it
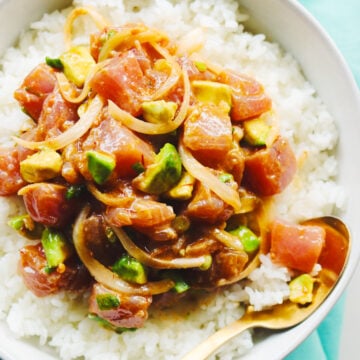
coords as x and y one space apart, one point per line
288 23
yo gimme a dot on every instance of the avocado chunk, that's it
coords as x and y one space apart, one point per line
56 247
183 189
256 131
301 289
77 63
159 111
163 174
129 269
213 92
41 166
249 240
100 165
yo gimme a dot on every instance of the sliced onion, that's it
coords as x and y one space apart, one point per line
172 79
149 128
99 20
243 274
229 240
102 274
147 259
126 39
205 176
67 88
108 199
70 135
263 217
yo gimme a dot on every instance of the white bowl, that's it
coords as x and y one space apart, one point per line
288 23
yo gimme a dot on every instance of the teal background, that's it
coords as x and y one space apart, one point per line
341 20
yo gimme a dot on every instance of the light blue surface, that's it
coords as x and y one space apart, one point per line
341 20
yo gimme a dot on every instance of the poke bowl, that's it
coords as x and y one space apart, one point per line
192 276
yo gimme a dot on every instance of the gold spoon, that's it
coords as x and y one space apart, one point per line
289 314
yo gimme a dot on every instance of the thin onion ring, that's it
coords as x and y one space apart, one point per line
149 128
100 22
263 217
102 274
229 240
108 199
243 274
126 39
146 259
172 79
204 175
70 135
66 87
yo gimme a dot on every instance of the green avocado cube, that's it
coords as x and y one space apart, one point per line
130 269
55 246
159 111
213 92
41 166
100 165
77 63
256 131
163 174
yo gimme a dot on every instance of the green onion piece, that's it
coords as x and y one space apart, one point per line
54 63
19 222
226 177
110 235
201 66
181 223
206 265
138 167
107 301
26 226
74 191
106 324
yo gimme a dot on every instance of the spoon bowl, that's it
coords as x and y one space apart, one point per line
289 314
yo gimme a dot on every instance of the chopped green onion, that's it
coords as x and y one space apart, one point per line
107 301
201 66
138 167
19 222
180 285
106 324
26 226
181 223
226 177
110 234
74 191
206 265
54 63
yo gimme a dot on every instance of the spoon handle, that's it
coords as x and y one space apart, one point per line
219 338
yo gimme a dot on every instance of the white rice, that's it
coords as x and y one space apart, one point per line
60 321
